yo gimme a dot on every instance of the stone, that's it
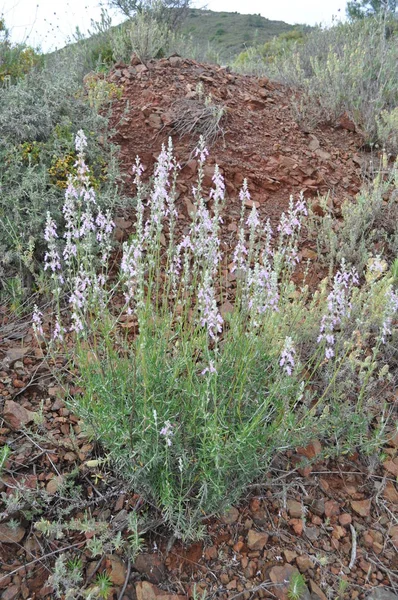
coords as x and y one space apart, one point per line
141 68
346 123
290 555
316 590
11 535
16 354
345 519
230 516
381 594
257 540
175 61
10 593
54 484
147 591
116 570
361 507
17 415
294 508
154 121
390 493
151 566
391 466
304 563
281 577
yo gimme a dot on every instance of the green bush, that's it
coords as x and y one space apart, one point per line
39 117
190 402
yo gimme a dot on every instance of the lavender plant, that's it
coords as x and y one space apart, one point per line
191 405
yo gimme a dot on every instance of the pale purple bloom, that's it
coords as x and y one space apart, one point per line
210 369
290 223
167 432
287 360
240 253
37 321
58 331
253 221
202 151
209 313
244 194
338 305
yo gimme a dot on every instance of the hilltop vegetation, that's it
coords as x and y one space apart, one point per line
230 33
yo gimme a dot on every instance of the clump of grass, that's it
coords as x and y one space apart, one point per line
190 403
195 117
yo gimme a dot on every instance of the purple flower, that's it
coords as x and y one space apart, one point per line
209 314
37 321
52 259
80 141
338 307
210 369
290 223
167 432
287 360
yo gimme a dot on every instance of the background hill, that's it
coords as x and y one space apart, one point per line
230 33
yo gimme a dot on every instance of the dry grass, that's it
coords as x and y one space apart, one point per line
192 117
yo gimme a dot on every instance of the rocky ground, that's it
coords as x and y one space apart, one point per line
333 521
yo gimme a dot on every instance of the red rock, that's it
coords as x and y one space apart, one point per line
295 508
390 493
346 123
362 507
17 415
150 565
391 466
316 590
11 535
230 516
345 519
116 570
281 577
304 563
257 540
147 591
17 383
10 593
297 525
331 508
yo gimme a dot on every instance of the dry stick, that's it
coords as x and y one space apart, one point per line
42 558
354 547
125 581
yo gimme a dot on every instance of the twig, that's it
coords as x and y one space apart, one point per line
42 558
354 547
125 581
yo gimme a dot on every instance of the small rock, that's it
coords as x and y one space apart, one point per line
141 68
16 415
362 507
10 593
294 508
230 516
316 590
304 563
290 555
257 540
281 577
154 121
15 354
391 466
54 484
147 591
312 533
116 570
175 61
11 535
151 566
345 519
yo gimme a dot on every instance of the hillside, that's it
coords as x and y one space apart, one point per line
231 32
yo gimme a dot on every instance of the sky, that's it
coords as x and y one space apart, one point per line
51 23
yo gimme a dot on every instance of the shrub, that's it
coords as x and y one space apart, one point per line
190 401
349 68
39 117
